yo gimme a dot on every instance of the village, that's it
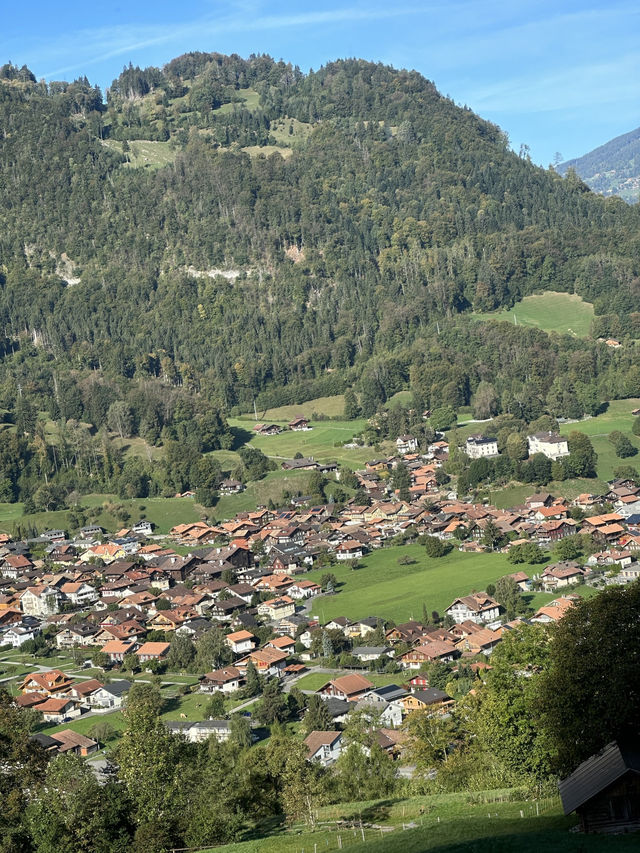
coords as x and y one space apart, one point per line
117 605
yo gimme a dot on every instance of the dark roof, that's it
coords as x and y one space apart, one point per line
390 692
44 740
597 773
337 707
634 518
431 695
117 688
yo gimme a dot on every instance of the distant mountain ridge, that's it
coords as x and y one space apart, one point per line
612 168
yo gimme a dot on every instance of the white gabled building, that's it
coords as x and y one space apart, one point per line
478 607
552 445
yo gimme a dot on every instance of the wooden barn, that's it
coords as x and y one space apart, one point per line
605 790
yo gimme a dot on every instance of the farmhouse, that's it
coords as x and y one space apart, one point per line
299 424
267 429
347 687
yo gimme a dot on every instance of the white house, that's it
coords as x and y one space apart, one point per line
17 635
226 680
406 444
552 445
479 445
79 593
201 730
111 695
40 601
478 607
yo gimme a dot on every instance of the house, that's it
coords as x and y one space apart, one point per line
17 635
200 731
441 650
299 424
554 611
40 600
152 651
52 683
241 642
522 580
58 710
277 608
303 463
267 661
267 429
54 535
282 644
605 790
111 695
231 487
430 699
367 653
323 747
91 531
478 607
80 594
143 528
84 691
550 444
72 742
304 589
384 702
350 549
406 444
226 680
561 574
117 649
349 687
478 446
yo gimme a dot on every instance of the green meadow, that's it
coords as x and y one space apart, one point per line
564 313
386 588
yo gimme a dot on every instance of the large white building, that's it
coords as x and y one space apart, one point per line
552 445
479 445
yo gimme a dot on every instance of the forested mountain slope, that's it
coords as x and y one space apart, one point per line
612 168
237 228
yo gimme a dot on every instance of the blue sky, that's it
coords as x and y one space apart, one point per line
559 76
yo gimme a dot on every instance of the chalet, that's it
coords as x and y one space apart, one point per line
435 650
52 683
406 444
299 424
407 632
282 644
348 687
539 499
553 531
561 574
481 642
554 611
117 649
231 487
368 653
429 699
323 747
522 580
58 710
478 446
478 607
18 635
84 690
152 651
241 642
304 589
91 531
143 527
226 680
54 535
267 661
351 549
14 566
267 429
550 444
604 790
304 463
80 594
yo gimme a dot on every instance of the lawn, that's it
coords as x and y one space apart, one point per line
260 492
329 406
617 417
249 99
383 587
485 821
564 313
318 442
145 153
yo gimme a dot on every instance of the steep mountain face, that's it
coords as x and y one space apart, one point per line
240 228
612 168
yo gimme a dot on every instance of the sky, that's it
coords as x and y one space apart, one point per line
561 77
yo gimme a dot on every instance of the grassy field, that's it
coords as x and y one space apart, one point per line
249 99
489 821
317 442
329 406
383 587
145 153
552 312
617 417
261 492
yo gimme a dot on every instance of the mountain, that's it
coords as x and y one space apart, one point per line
235 229
612 168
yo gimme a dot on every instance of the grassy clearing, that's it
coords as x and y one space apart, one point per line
248 99
261 492
500 821
383 587
145 153
267 151
617 417
564 313
290 131
318 442
329 406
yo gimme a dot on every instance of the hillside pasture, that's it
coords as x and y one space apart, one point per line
328 406
564 313
383 587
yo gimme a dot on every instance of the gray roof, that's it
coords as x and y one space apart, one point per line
117 688
597 773
431 695
390 692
